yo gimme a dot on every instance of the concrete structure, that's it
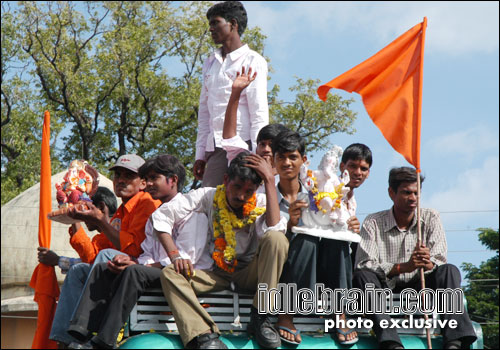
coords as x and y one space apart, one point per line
19 240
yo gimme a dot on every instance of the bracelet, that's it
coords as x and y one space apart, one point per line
174 259
398 268
172 252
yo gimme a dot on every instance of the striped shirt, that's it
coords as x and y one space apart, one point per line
383 244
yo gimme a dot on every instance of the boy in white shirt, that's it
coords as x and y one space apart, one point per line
114 287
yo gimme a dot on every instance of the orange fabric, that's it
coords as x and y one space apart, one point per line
131 218
44 279
390 83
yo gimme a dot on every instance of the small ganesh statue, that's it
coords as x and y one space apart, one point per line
79 184
327 214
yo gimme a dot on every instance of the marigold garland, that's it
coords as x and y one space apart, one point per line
224 221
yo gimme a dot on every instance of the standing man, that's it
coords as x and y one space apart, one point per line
227 21
388 257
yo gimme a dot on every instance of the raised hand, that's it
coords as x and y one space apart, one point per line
243 80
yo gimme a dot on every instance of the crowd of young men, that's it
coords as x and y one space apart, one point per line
236 229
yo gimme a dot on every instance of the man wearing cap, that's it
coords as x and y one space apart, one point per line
124 233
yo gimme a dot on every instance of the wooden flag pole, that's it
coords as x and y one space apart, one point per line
419 243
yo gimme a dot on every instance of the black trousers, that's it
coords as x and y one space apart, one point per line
312 260
445 276
108 300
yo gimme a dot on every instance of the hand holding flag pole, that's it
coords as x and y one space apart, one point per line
390 84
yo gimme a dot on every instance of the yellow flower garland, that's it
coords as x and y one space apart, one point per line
224 221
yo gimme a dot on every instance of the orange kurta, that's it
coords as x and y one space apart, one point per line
130 219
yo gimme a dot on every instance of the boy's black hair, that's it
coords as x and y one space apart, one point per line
230 10
106 196
357 151
403 174
288 141
270 131
167 165
238 168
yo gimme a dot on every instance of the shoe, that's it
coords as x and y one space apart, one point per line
209 341
260 326
346 342
454 344
295 333
390 345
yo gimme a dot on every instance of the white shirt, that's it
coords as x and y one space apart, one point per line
218 77
201 201
188 233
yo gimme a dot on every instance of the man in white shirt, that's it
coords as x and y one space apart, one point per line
227 22
248 248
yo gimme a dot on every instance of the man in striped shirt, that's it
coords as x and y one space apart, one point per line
388 257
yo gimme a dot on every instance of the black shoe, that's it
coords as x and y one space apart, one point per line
264 332
390 345
209 341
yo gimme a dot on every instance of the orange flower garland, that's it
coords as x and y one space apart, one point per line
224 223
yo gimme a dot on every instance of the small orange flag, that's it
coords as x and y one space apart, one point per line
44 279
390 83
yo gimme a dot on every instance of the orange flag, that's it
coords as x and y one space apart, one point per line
44 279
390 83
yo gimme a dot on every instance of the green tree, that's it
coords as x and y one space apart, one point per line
315 120
482 291
121 77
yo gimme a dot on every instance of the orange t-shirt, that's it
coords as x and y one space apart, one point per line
130 219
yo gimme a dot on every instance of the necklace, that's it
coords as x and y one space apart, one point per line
224 222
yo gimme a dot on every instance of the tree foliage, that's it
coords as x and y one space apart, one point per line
482 291
120 77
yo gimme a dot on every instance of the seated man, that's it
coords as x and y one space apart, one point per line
248 248
310 260
105 201
124 233
388 257
114 287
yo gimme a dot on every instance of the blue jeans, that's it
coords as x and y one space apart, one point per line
71 291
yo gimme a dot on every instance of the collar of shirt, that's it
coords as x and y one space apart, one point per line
390 223
132 202
234 55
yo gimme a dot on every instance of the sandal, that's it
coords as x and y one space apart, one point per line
346 342
295 333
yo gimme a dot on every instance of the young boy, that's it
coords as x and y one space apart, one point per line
357 160
114 287
310 259
248 248
105 201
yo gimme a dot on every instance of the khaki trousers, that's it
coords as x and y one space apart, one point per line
191 318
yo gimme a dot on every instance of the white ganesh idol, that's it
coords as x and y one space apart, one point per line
327 214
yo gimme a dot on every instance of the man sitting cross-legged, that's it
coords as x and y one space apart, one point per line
248 248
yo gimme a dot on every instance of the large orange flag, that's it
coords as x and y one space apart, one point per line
44 279
390 83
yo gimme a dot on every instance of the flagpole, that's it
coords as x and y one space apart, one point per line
419 112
